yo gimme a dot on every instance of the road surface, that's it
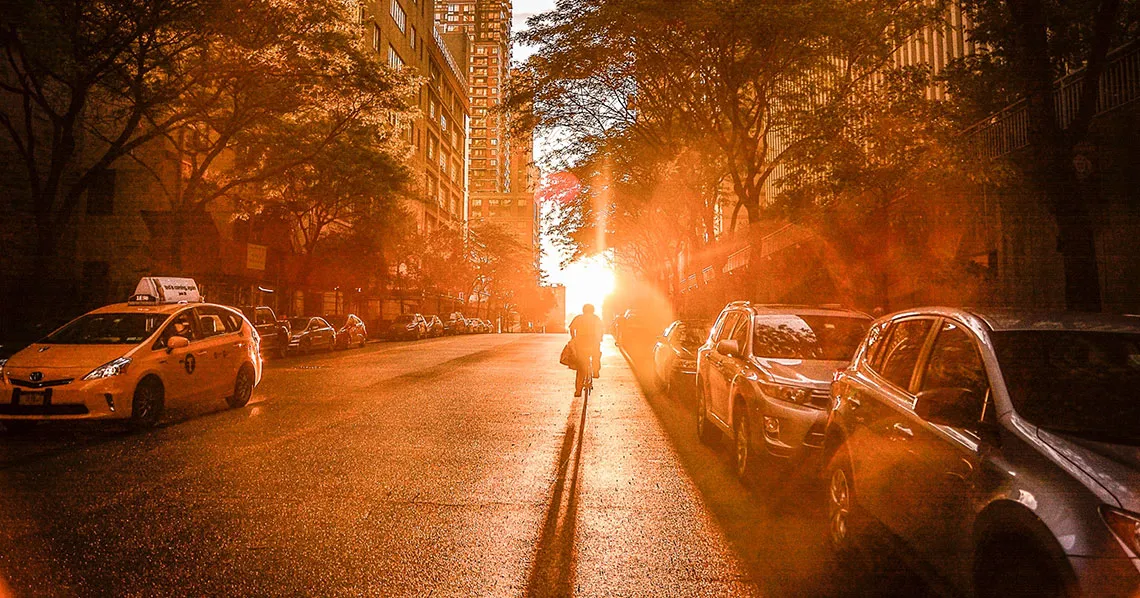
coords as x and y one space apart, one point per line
448 467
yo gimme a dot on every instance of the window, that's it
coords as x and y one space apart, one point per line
376 37
724 327
740 333
264 316
956 363
182 325
412 37
101 194
394 59
900 354
398 16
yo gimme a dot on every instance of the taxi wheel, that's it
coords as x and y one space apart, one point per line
243 388
147 405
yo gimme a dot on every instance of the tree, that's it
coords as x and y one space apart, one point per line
863 181
736 82
1026 46
351 183
87 82
295 101
503 270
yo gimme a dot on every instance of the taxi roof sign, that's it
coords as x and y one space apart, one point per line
160 289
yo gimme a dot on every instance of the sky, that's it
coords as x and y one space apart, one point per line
522 10
584 282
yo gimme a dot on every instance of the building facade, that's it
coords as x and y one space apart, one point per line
404 32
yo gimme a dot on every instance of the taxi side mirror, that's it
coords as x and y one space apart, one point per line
177 342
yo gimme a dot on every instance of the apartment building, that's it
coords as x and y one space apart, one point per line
404 32
488 24
503 176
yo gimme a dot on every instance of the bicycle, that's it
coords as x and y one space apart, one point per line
588 385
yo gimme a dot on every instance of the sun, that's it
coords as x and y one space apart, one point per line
588 280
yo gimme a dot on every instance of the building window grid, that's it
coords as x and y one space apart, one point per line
398 16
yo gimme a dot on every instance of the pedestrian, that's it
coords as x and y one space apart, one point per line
586 337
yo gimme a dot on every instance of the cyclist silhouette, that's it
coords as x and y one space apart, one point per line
586 337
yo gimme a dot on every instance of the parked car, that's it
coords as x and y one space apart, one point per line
350 331
1002 448
675 353
474 326
311 334
408 327
130 361
488 326
623 322
434 326
274 333
455 324
764 378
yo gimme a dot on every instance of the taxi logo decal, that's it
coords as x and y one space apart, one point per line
36 376
189 363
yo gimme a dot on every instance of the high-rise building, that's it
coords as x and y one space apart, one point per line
404 32
503 176
488 24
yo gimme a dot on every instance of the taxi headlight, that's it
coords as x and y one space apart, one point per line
111 368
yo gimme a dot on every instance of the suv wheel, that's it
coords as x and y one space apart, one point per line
745 460
842 524
706 432
1011 565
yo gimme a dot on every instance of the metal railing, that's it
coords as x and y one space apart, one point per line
1008 130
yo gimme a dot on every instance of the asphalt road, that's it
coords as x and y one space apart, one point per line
448 467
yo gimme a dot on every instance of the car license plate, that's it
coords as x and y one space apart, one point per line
32 398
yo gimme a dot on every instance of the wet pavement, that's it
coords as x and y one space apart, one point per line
448 467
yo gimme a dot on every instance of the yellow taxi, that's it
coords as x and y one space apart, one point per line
128 361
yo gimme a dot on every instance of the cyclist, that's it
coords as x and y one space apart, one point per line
586 337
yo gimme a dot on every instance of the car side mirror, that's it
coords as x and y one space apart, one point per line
954 407
728 347
176 342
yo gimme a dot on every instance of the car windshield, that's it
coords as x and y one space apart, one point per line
1080 383
337 321
298 324
107 329
828 338
690 336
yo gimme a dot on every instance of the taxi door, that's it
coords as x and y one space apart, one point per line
178 368
219 354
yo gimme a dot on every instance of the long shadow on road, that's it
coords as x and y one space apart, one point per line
780 539
553 569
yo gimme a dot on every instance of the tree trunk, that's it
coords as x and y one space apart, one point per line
1076 236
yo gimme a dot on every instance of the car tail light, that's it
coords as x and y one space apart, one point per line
1125 526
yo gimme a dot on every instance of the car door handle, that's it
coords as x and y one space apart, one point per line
901 432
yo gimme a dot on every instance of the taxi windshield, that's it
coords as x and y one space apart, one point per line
298 324
107 329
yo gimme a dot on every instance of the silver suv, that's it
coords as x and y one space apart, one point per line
1002 448
764 376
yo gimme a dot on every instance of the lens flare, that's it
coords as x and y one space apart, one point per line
588 280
